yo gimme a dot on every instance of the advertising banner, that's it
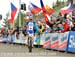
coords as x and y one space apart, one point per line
71 42
19 38
47 41
42 38
63 40
54 41
0 37
37 39
11 38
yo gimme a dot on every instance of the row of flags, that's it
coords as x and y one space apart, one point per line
35 9
46 10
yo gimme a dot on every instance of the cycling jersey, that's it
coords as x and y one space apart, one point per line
30 28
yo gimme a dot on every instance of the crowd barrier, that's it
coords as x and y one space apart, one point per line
71 42
63 41
56 41
1 38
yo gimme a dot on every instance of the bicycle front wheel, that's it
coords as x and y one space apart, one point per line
30 44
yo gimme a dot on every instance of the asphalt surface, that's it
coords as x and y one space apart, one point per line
14 50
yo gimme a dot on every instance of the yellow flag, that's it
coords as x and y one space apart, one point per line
49 9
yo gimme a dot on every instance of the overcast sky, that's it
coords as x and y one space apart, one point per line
5 4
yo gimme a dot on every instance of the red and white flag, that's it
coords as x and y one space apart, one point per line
66 9
13 12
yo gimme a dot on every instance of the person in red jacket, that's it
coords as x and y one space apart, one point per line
65 26
2 31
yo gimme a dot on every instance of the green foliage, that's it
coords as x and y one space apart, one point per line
60 5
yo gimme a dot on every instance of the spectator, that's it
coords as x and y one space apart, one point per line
5 36
60 27
54 28
24 30
41 28
52 22
69 20
65 26
11 35
48 29
73 27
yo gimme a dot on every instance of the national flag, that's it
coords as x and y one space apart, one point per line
44 13
67 9
13 13
34 9
42 6
47 18
49 10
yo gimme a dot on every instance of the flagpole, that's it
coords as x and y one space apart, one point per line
12 24
19 13
24 14
14 20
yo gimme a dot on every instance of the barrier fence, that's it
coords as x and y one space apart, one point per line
56 41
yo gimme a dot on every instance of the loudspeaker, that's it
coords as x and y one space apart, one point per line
0 17
23 7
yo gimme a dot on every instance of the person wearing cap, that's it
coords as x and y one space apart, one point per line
11 35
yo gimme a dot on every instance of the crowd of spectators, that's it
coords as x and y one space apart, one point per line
58 24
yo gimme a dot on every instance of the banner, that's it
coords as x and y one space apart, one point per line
37 39
19 38
5 38
71 42
47 41
0 37
63 39
11 38
42 38
54 41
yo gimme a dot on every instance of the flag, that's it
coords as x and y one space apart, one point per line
34 9
44 13
13 13
67 9
49 10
